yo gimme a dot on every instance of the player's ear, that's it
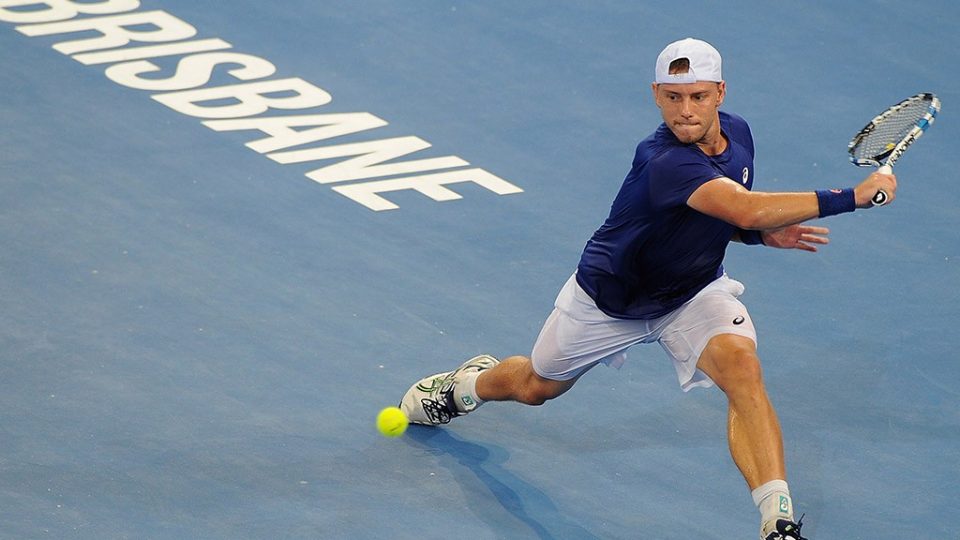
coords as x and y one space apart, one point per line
722 89
653 87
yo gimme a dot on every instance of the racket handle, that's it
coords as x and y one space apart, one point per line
881 198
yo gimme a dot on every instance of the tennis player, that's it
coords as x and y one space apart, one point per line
654 273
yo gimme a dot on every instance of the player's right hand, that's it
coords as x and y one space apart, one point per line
864 193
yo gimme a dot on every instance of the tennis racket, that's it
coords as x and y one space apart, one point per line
881 142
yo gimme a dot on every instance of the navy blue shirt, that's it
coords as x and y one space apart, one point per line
654 252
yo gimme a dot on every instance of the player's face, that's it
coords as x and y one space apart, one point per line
690 110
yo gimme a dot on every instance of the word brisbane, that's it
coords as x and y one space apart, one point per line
125 38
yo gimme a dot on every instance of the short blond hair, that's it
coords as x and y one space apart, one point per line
680 65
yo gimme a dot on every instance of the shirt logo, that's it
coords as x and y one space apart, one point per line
746 175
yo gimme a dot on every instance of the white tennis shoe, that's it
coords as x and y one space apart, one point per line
432 401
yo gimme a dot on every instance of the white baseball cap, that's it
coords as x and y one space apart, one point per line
704 62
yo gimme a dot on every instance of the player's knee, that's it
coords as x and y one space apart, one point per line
535 395
538 391
533 399
742 369
735 366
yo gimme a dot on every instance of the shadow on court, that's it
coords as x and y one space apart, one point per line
479 470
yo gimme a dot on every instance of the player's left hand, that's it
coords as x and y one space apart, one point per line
797 236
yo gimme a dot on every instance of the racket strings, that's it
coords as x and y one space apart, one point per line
890 130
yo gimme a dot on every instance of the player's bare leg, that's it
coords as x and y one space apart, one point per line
756 443
514 379
753 431
439 398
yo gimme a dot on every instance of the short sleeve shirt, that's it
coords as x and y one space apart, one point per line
653 253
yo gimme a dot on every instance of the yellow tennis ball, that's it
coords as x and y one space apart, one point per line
391 422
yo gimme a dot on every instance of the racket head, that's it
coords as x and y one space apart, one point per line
887 136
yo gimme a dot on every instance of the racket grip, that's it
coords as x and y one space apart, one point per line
881 198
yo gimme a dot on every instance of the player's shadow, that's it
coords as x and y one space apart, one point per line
470 462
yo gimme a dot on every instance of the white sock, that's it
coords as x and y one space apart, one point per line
773 501
465 392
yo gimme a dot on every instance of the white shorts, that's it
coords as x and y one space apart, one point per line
578 336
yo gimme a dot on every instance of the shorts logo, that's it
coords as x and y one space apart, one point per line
739 320
746 175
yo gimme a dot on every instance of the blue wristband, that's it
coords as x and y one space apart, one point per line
836 201
750 238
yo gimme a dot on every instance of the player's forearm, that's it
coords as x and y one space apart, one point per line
765 211
725 199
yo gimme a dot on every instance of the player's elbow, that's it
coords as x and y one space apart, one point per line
753 213
727 200
750 219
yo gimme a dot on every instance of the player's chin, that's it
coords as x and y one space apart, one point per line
687 133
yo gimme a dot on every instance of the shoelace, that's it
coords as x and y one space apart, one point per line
800 524
790 533
441 410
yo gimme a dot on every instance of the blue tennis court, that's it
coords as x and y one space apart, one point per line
232 233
